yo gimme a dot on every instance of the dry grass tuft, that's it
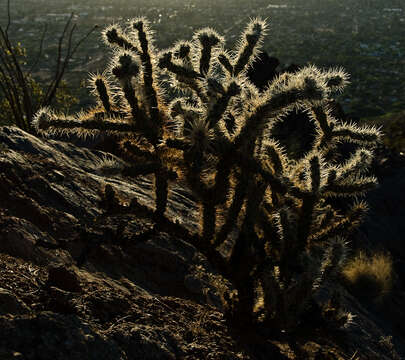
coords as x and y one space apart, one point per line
369 277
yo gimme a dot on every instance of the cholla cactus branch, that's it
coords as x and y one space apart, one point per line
138 149
114 36
294 93
355 134
103 93
165 62
249 43
334 257
142 27
336 79
233 212
226 63
126 67
221 105
340 224
46 121
208 39
182 51
276 157
357 164
351 186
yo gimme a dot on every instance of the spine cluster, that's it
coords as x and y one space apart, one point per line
288 239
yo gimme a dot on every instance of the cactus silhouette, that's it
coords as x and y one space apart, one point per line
287 237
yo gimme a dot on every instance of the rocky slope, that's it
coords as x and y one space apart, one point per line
81 280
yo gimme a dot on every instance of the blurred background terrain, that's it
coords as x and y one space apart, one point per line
365 37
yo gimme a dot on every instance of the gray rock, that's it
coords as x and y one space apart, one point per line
50 336
50 213
63 278
11 304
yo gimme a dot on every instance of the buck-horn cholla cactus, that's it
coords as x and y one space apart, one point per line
275 209
288 239
130 106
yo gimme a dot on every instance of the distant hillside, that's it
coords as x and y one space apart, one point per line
393 125
363 36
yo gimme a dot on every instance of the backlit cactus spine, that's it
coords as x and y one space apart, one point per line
130 106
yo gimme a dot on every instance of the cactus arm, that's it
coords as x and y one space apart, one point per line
51 123
135 148
309 202
324 219
297 91
271 290
222 180
357 164
305 222
233 211
206 40
326 124
351 187
274 243
125 68
230 124
217 195
224 60
334 255
144 36
165 62
113 36
275 154
249 44
352 133
242 258
320 116
288 229
335 79
221 105
340 224
129 94
315 174
182 51
102 90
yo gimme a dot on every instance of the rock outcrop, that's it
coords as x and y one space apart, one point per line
79 281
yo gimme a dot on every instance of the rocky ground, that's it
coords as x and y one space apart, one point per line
82 281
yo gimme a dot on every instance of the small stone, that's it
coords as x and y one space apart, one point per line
10 304
17 239
193 284
63 278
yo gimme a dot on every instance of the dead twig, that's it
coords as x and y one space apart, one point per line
17 84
